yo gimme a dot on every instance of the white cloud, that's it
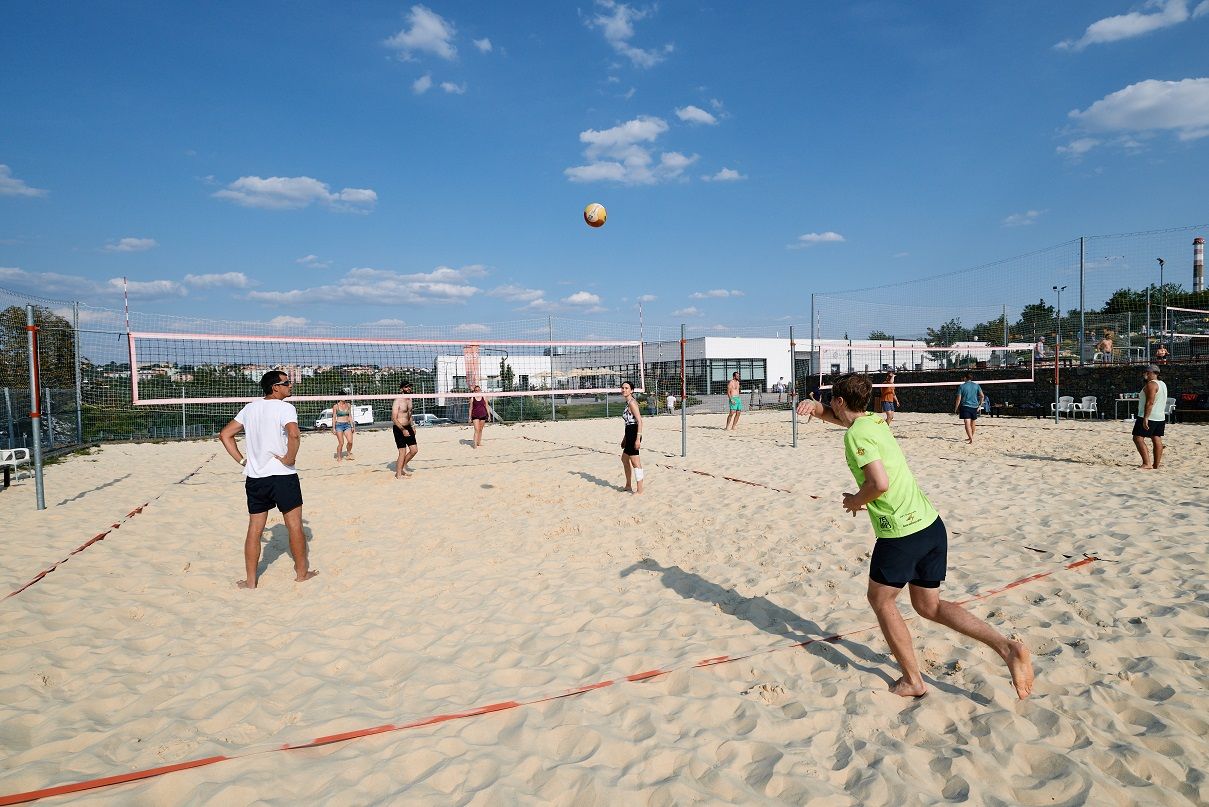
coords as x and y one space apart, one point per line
285 321
617 155
422 85
379 287
131 245
49 284
389 322
471 328
1179 106
148 289
616 22
725 175
230 280
454 89
582 298
901 254
1201 10
715 294
11 186
691 311
516 294
428 32
291 193
647 298
1136 23
313 262
1078 147
813 239
693 114
484 45
1022 219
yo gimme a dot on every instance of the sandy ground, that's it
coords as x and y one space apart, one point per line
520 569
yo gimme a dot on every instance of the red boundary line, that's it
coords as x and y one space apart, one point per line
134 776
673 467
100 536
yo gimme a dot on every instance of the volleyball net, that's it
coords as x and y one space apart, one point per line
169 368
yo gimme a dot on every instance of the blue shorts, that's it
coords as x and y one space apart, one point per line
888 406
969 413
919 558
343 427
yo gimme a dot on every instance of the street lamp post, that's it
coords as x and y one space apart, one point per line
1058 351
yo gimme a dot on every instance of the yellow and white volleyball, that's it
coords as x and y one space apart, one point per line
595 214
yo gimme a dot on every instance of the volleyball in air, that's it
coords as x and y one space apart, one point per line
595 214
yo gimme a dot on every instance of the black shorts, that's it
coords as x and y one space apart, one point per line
969 413
403 439
919 558
629 445
482 419
266 492
1155 430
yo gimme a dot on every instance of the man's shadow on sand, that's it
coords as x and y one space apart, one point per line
772 618
278 545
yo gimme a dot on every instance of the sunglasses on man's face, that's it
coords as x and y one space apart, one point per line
284 384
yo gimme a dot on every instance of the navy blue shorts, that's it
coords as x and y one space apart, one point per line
888 406
266 492
1154 428
919 558
969 413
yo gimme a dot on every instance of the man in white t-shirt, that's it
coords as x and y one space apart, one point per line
271 437
671 403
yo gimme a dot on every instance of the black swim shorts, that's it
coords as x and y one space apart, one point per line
266 492
919 558
1155 429
969 413
404 438
629 444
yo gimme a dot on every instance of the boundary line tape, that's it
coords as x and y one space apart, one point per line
266 748
100 536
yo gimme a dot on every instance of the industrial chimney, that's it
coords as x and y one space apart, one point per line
1198 264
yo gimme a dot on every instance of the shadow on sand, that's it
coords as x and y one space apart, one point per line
772 618
278 545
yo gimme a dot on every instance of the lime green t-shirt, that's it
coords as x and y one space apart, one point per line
903 509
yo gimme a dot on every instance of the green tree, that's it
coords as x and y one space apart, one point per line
875 334
56 349
506 375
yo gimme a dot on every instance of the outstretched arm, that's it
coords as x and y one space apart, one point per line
815 409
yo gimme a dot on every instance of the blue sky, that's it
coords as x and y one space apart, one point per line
355 163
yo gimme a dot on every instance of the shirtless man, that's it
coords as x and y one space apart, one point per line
912 543
1104 347
404 429
734 403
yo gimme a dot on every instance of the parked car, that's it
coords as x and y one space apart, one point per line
427 419
362 415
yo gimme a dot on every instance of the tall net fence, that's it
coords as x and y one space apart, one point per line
1098 299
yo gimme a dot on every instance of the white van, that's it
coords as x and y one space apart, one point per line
362 416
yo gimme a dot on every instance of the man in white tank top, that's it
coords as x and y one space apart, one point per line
1152 418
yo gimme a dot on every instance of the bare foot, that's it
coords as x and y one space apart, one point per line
628 489
349 457
244 584
306 577
905 689
1020 665
1145 467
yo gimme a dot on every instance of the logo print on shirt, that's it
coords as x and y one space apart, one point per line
860 452
884 522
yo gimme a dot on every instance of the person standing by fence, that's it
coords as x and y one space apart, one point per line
1151 421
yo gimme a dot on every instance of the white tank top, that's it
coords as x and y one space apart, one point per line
1160 403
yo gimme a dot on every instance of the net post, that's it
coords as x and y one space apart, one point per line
35 415
1082 307
683 398
75 335
550 331
793 377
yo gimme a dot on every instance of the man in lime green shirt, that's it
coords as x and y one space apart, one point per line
912 543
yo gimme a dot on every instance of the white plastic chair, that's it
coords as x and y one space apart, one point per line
1169 413
15 458
1088 405
1065 406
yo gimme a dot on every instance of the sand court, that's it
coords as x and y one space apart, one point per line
519 570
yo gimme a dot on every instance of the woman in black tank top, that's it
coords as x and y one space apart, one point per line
631 443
